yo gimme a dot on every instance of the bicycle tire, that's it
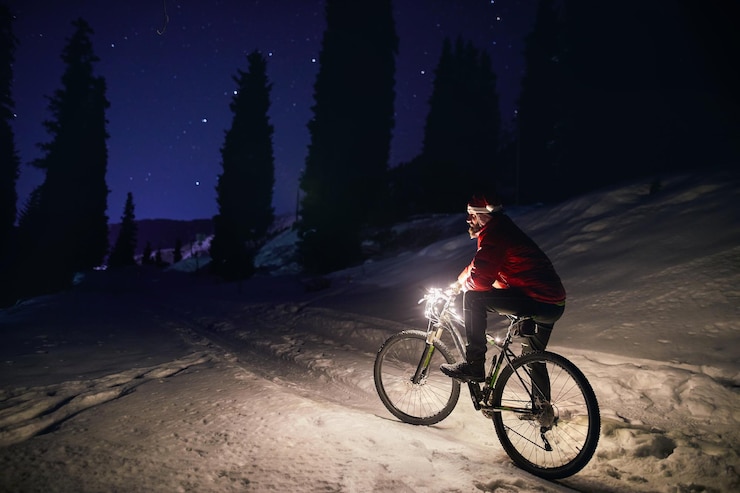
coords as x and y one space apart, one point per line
572 422
425 403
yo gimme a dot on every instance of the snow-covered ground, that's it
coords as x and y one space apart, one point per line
167 381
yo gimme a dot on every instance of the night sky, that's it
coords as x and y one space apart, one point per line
170 83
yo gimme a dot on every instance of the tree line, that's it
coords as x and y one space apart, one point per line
608 93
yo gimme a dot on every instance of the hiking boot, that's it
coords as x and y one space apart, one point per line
464 371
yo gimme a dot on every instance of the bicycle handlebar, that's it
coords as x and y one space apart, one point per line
437 302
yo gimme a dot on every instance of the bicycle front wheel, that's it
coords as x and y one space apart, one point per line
551 427
409 381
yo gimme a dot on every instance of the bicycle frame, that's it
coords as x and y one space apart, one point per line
441 316
543 408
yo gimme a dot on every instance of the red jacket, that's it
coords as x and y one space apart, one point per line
508 257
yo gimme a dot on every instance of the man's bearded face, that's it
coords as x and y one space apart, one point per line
474 225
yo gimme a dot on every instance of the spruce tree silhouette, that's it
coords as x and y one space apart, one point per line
177 253
124 250
245 188
9 161
461 136
64 228
540 111
147 257
345 176
659 100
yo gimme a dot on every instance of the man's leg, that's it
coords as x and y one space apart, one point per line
545 317
476 305
474 313
540 378
476 317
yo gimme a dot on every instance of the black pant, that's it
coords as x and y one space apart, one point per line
477 304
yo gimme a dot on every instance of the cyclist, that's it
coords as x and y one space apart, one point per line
509 273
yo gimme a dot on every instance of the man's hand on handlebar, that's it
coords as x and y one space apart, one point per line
454 289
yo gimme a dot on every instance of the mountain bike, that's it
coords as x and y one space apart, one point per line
548 426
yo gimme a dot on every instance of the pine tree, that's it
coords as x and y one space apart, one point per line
461 136
75 160
177 254
346 168
9 161
146 256
540 112
125 248
159 260
635 93
244 190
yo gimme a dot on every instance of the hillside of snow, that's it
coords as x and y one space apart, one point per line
166 381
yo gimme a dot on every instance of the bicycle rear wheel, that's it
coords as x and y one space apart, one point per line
551 437
425 402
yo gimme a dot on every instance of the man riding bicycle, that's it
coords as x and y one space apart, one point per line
511 274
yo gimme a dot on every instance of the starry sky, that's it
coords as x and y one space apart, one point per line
169 68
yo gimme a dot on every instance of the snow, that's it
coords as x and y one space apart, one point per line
167 381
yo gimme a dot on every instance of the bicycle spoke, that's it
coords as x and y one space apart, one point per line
432 397
554 437
543 409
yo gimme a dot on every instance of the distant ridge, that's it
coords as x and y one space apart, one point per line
164 233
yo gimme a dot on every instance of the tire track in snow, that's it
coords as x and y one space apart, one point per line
290 343
26 412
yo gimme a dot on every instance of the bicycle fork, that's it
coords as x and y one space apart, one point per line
422 368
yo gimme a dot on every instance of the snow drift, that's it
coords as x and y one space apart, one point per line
146 380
